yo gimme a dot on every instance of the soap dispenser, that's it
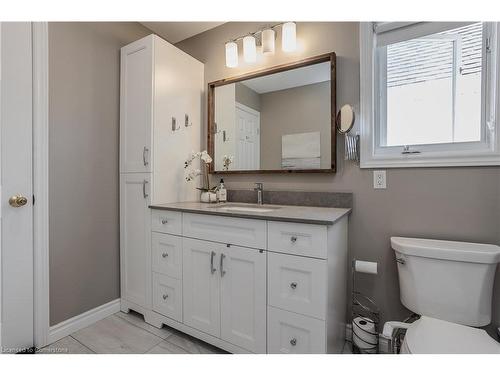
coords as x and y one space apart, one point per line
221 191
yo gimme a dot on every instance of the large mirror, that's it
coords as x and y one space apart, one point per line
279 120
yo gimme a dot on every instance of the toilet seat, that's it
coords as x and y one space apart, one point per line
434 336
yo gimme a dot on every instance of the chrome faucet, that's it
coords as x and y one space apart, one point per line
259 188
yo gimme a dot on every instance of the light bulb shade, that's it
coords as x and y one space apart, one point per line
289 37
249 49
268 37
231 54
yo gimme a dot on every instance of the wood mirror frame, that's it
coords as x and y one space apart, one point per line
331 57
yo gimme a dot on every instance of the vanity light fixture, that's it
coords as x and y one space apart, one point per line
265 38
231 54
289 37
249 49
268 37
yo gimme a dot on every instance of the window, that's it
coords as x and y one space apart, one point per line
428 94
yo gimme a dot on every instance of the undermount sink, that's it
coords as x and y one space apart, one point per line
247 208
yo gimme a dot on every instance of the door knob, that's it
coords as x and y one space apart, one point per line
18 200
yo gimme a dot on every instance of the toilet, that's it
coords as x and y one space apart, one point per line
450 285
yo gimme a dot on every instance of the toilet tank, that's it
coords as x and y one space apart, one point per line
447 280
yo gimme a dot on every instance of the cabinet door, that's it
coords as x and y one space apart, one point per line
135 238
201 285
136 90
290 333
167 296
178 93
166 252
297 284
243 297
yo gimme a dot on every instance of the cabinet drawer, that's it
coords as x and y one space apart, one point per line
167 254
166 221
297 284
167 296
298 239
289 333
229 230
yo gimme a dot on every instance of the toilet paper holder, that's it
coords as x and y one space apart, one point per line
365 320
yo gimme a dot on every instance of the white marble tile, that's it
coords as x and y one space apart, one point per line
116 335
138 321
66 345
193 345
166 347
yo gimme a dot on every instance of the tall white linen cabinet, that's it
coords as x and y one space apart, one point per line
161 93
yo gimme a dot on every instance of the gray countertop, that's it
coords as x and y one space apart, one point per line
295 214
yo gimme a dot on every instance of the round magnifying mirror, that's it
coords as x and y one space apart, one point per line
345 119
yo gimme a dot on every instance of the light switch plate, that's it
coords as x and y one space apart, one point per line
379 180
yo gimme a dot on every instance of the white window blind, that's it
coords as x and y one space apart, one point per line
416 61
429 88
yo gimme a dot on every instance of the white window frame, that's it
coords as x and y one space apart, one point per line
484 152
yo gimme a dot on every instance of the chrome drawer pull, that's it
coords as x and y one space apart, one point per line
144 159
222 272
164 221
293 239
293 341
212 269
293 285
165 296
164 255
144 194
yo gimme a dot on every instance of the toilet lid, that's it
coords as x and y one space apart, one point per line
429 335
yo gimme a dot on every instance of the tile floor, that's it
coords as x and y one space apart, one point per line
128 334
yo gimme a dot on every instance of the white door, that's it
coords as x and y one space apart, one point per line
16 330
243 297
135 238
247 138
201 285
136 90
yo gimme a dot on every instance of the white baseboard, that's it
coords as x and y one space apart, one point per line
78 322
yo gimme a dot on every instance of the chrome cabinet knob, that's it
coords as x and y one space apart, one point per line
165 296
293 239
293 285
293 341
164 221
164 255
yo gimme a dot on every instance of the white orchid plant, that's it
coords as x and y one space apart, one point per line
205 159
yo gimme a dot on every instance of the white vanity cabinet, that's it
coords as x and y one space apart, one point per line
250 285
161 88
225 292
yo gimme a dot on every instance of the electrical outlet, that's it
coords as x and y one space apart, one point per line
379 180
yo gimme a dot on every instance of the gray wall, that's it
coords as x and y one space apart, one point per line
246 96
297 110
83 163
449 203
